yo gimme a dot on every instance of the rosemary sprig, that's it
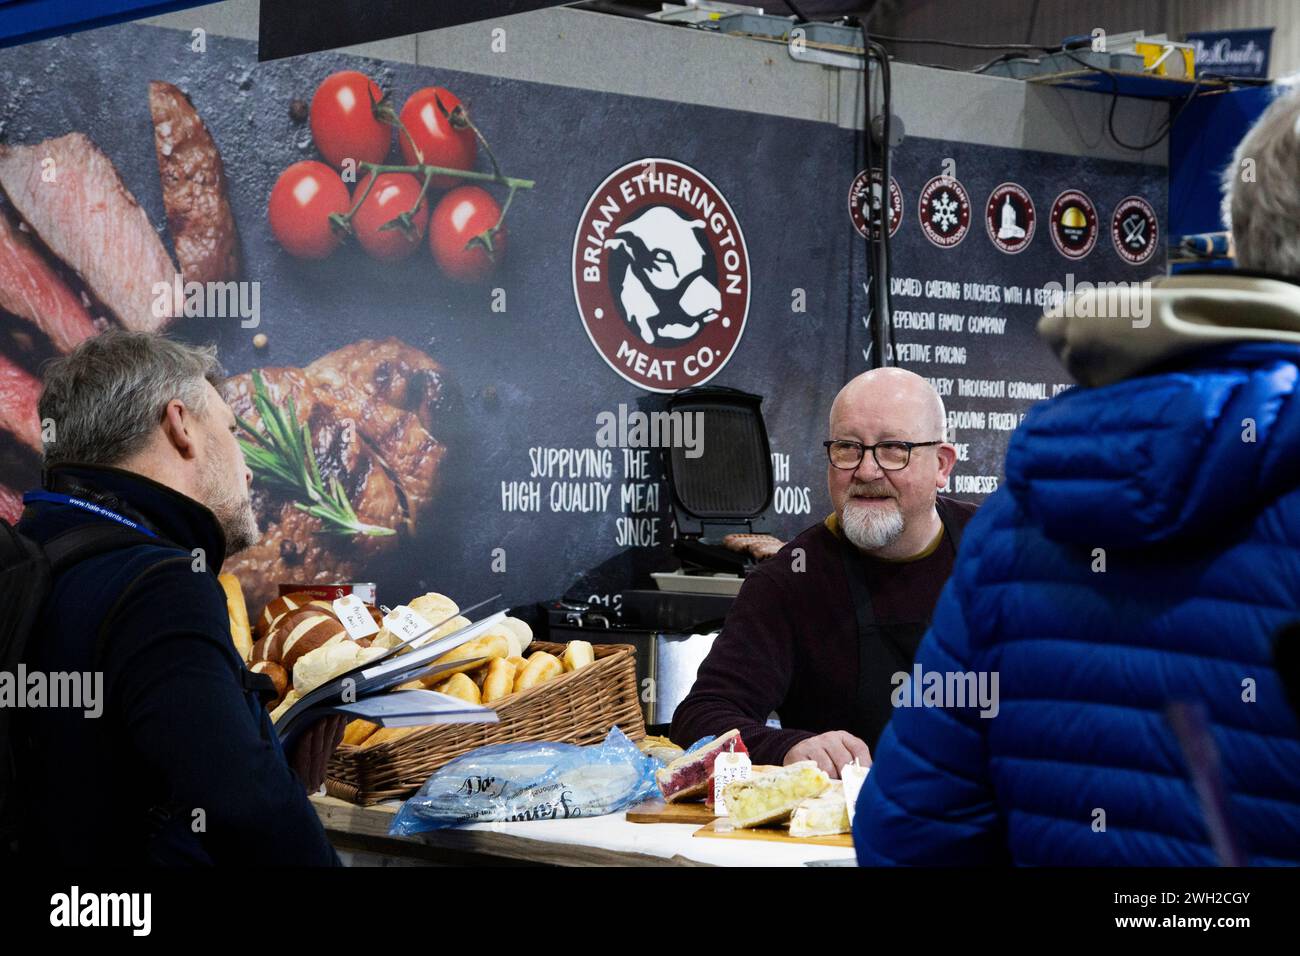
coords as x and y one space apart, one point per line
281 455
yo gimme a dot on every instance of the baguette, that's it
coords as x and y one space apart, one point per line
238 611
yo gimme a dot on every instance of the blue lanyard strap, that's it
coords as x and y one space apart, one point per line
85 505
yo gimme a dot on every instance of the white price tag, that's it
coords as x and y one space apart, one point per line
355 617
853 775
407 624
728 768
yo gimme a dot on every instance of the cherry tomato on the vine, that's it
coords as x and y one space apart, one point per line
342 122
460 215
300 206
392 195
426 116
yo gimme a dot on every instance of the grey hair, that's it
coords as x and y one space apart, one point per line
1263 211
105 398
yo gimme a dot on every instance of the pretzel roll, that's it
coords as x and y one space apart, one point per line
301 631
279 677
278 609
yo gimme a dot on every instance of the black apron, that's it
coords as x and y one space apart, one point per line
883 649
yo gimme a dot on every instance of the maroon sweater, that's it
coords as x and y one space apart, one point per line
790 643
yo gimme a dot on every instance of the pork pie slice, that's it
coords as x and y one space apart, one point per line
689 776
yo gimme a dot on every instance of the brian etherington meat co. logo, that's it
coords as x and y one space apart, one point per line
661 275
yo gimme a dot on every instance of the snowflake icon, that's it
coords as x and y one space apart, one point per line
944 212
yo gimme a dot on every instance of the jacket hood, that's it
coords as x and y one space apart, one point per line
1196 424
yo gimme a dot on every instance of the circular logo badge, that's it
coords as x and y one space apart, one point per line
1074 224
1009 217
1134 230
861 212
661 275
944 211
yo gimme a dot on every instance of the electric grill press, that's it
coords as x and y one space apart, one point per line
727 489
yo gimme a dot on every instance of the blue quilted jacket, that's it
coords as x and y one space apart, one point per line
1197 528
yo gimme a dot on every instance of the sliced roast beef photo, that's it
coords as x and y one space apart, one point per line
19 392
69 193
32 289
193 188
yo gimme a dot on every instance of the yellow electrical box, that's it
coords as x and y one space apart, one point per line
1180 63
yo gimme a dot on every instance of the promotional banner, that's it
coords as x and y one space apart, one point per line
1233 52
443 375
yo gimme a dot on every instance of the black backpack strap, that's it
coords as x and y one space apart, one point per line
87 540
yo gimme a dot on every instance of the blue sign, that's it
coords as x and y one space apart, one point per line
22 21
1233 52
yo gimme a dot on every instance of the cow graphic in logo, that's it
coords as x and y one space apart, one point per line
661 275
660 266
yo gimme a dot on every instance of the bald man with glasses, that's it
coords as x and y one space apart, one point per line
818 632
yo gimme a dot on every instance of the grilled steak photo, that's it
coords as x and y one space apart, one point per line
193 189
371 410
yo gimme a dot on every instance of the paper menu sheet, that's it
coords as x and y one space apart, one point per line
411 708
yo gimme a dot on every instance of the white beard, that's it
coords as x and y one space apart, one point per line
871 528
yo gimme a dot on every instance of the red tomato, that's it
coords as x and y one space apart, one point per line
462 214
342 123
301 203
393 194
440 143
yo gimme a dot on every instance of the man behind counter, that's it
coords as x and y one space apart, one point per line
818 631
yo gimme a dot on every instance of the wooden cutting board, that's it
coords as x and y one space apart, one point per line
773 834
656 811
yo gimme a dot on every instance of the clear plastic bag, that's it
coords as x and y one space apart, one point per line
531 781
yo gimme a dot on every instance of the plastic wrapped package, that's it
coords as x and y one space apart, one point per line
531 781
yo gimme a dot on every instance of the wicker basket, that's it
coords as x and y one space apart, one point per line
575 708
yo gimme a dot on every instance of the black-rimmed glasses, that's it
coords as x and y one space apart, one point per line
889 455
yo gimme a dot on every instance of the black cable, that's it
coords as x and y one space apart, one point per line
886 175
1165 127
967 46
800 18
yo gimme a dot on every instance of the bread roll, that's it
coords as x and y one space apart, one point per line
358 731
301 631
387 735
279 677
578 654
433 607
519 663
489 645
290 699
500 680
328 661
522 630
460 686
540 668
238 612
280 607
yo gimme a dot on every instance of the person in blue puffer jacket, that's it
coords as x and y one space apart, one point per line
1144 552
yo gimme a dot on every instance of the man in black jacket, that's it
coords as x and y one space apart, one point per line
181 764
